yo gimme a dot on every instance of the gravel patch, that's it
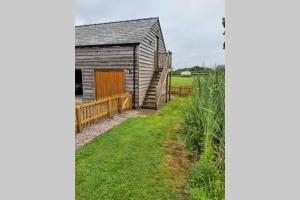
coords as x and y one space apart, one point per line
93 131
78 100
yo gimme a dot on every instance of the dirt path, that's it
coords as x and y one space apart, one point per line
93 131
178 161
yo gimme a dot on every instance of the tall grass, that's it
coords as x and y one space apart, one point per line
204 127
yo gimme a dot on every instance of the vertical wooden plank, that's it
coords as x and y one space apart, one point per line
94 111
78 118
96 84
89 115
123 82
83 115
109 82
120 103
109 107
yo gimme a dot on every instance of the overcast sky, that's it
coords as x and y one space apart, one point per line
192 29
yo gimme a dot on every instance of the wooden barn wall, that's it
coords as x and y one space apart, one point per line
146 59
88 59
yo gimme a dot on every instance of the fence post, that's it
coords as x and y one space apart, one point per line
109 108
78 118
120 104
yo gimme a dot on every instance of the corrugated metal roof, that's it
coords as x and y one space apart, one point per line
121 32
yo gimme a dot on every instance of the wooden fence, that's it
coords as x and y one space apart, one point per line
93 111
181 90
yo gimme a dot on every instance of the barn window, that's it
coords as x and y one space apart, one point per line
78 82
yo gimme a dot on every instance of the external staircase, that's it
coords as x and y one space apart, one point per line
155 90
150 98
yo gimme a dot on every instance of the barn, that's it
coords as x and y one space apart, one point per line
114 57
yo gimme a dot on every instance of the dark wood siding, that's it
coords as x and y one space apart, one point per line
90 59
146 59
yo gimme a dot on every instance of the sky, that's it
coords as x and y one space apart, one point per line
192 29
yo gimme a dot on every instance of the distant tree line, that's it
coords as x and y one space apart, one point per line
198 69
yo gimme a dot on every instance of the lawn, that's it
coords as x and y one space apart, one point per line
182 81
142 158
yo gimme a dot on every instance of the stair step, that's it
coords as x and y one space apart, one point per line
151 93
149 101
153 107
150 98
149 104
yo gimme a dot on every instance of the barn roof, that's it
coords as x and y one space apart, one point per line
121 32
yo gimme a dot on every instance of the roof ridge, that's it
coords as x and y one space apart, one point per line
118 21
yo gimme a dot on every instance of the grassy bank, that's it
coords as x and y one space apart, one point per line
204 130
141 158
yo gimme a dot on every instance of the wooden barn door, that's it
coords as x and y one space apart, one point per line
109 82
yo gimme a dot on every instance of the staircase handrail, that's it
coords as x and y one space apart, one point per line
162 78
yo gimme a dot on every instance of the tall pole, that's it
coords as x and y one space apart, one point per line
170 54
223 22
170 78
134 48
167 86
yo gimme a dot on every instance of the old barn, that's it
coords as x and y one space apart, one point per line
111 58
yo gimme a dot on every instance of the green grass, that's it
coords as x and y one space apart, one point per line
182 81
129 161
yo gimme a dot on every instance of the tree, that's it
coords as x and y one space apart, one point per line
220 68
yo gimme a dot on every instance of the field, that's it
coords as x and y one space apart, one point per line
182 81
142 158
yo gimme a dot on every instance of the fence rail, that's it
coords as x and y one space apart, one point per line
93 111
181 90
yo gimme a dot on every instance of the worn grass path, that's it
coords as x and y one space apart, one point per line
139 159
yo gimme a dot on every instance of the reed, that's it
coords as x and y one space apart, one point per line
204 130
